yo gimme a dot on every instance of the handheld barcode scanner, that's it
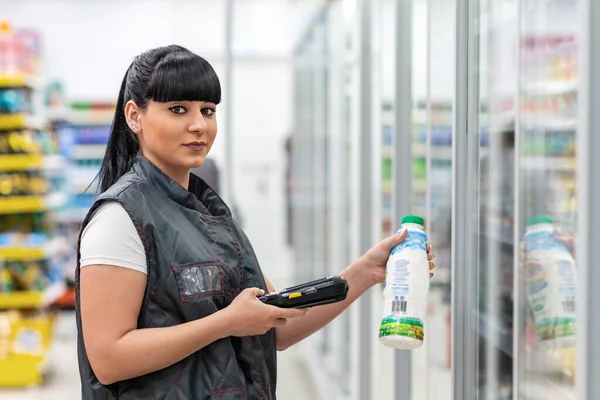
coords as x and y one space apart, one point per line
328 290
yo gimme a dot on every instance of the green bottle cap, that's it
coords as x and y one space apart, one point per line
413 219
539 219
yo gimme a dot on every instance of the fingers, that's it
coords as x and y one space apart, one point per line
430 256
279 322
566 239
255 292
395 239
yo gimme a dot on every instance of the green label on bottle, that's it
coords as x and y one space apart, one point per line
554 328
395 325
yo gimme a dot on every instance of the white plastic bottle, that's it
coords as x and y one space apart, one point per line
550 278
405 289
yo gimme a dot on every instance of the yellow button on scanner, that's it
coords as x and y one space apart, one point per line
294 295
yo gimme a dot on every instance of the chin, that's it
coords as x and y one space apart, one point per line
195 162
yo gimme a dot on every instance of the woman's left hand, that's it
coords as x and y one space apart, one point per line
374 260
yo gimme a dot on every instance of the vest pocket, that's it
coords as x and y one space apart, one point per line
200 280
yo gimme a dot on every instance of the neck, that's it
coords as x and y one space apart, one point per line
178 174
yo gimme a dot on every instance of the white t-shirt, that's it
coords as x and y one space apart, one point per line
110 238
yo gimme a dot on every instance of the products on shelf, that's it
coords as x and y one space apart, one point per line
20 50
28 275
550 57
7 283
14 101
26 142
22 184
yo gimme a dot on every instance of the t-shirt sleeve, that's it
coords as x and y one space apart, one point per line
110 238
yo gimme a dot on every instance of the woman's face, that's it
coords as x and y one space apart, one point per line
177 136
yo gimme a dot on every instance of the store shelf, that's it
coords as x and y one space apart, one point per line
88 151
56 200
419 150
21 121
20 80
54 163
549 123
21 204
73 215
437 152
552 88
22 162
549 163
81 117
32 299
25 253
30 204
22 253
387 152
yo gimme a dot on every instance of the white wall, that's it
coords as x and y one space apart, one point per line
88 45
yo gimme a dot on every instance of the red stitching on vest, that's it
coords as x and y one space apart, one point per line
223 392
169 317
272 391
221 256
223 374
254 369
177 379
181 391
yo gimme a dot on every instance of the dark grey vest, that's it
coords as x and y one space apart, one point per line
198 261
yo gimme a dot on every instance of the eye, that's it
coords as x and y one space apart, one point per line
209 111
178 109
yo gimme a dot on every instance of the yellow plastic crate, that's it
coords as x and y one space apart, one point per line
24 350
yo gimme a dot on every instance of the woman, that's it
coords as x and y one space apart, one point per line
167 284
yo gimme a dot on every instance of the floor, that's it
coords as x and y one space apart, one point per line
63 382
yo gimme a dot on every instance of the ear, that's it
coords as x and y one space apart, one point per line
132 115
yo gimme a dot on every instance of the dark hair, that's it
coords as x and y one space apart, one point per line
171 73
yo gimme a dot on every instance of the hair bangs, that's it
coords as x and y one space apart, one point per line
184 77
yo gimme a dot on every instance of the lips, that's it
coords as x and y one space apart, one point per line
196 146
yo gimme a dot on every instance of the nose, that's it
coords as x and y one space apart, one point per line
198 124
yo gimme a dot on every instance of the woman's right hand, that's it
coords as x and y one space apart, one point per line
249 316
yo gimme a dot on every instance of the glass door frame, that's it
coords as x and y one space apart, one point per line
588 252
402 164
465 166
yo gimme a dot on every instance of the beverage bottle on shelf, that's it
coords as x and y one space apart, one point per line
550 282
405 289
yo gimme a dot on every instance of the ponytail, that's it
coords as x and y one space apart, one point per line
122 146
